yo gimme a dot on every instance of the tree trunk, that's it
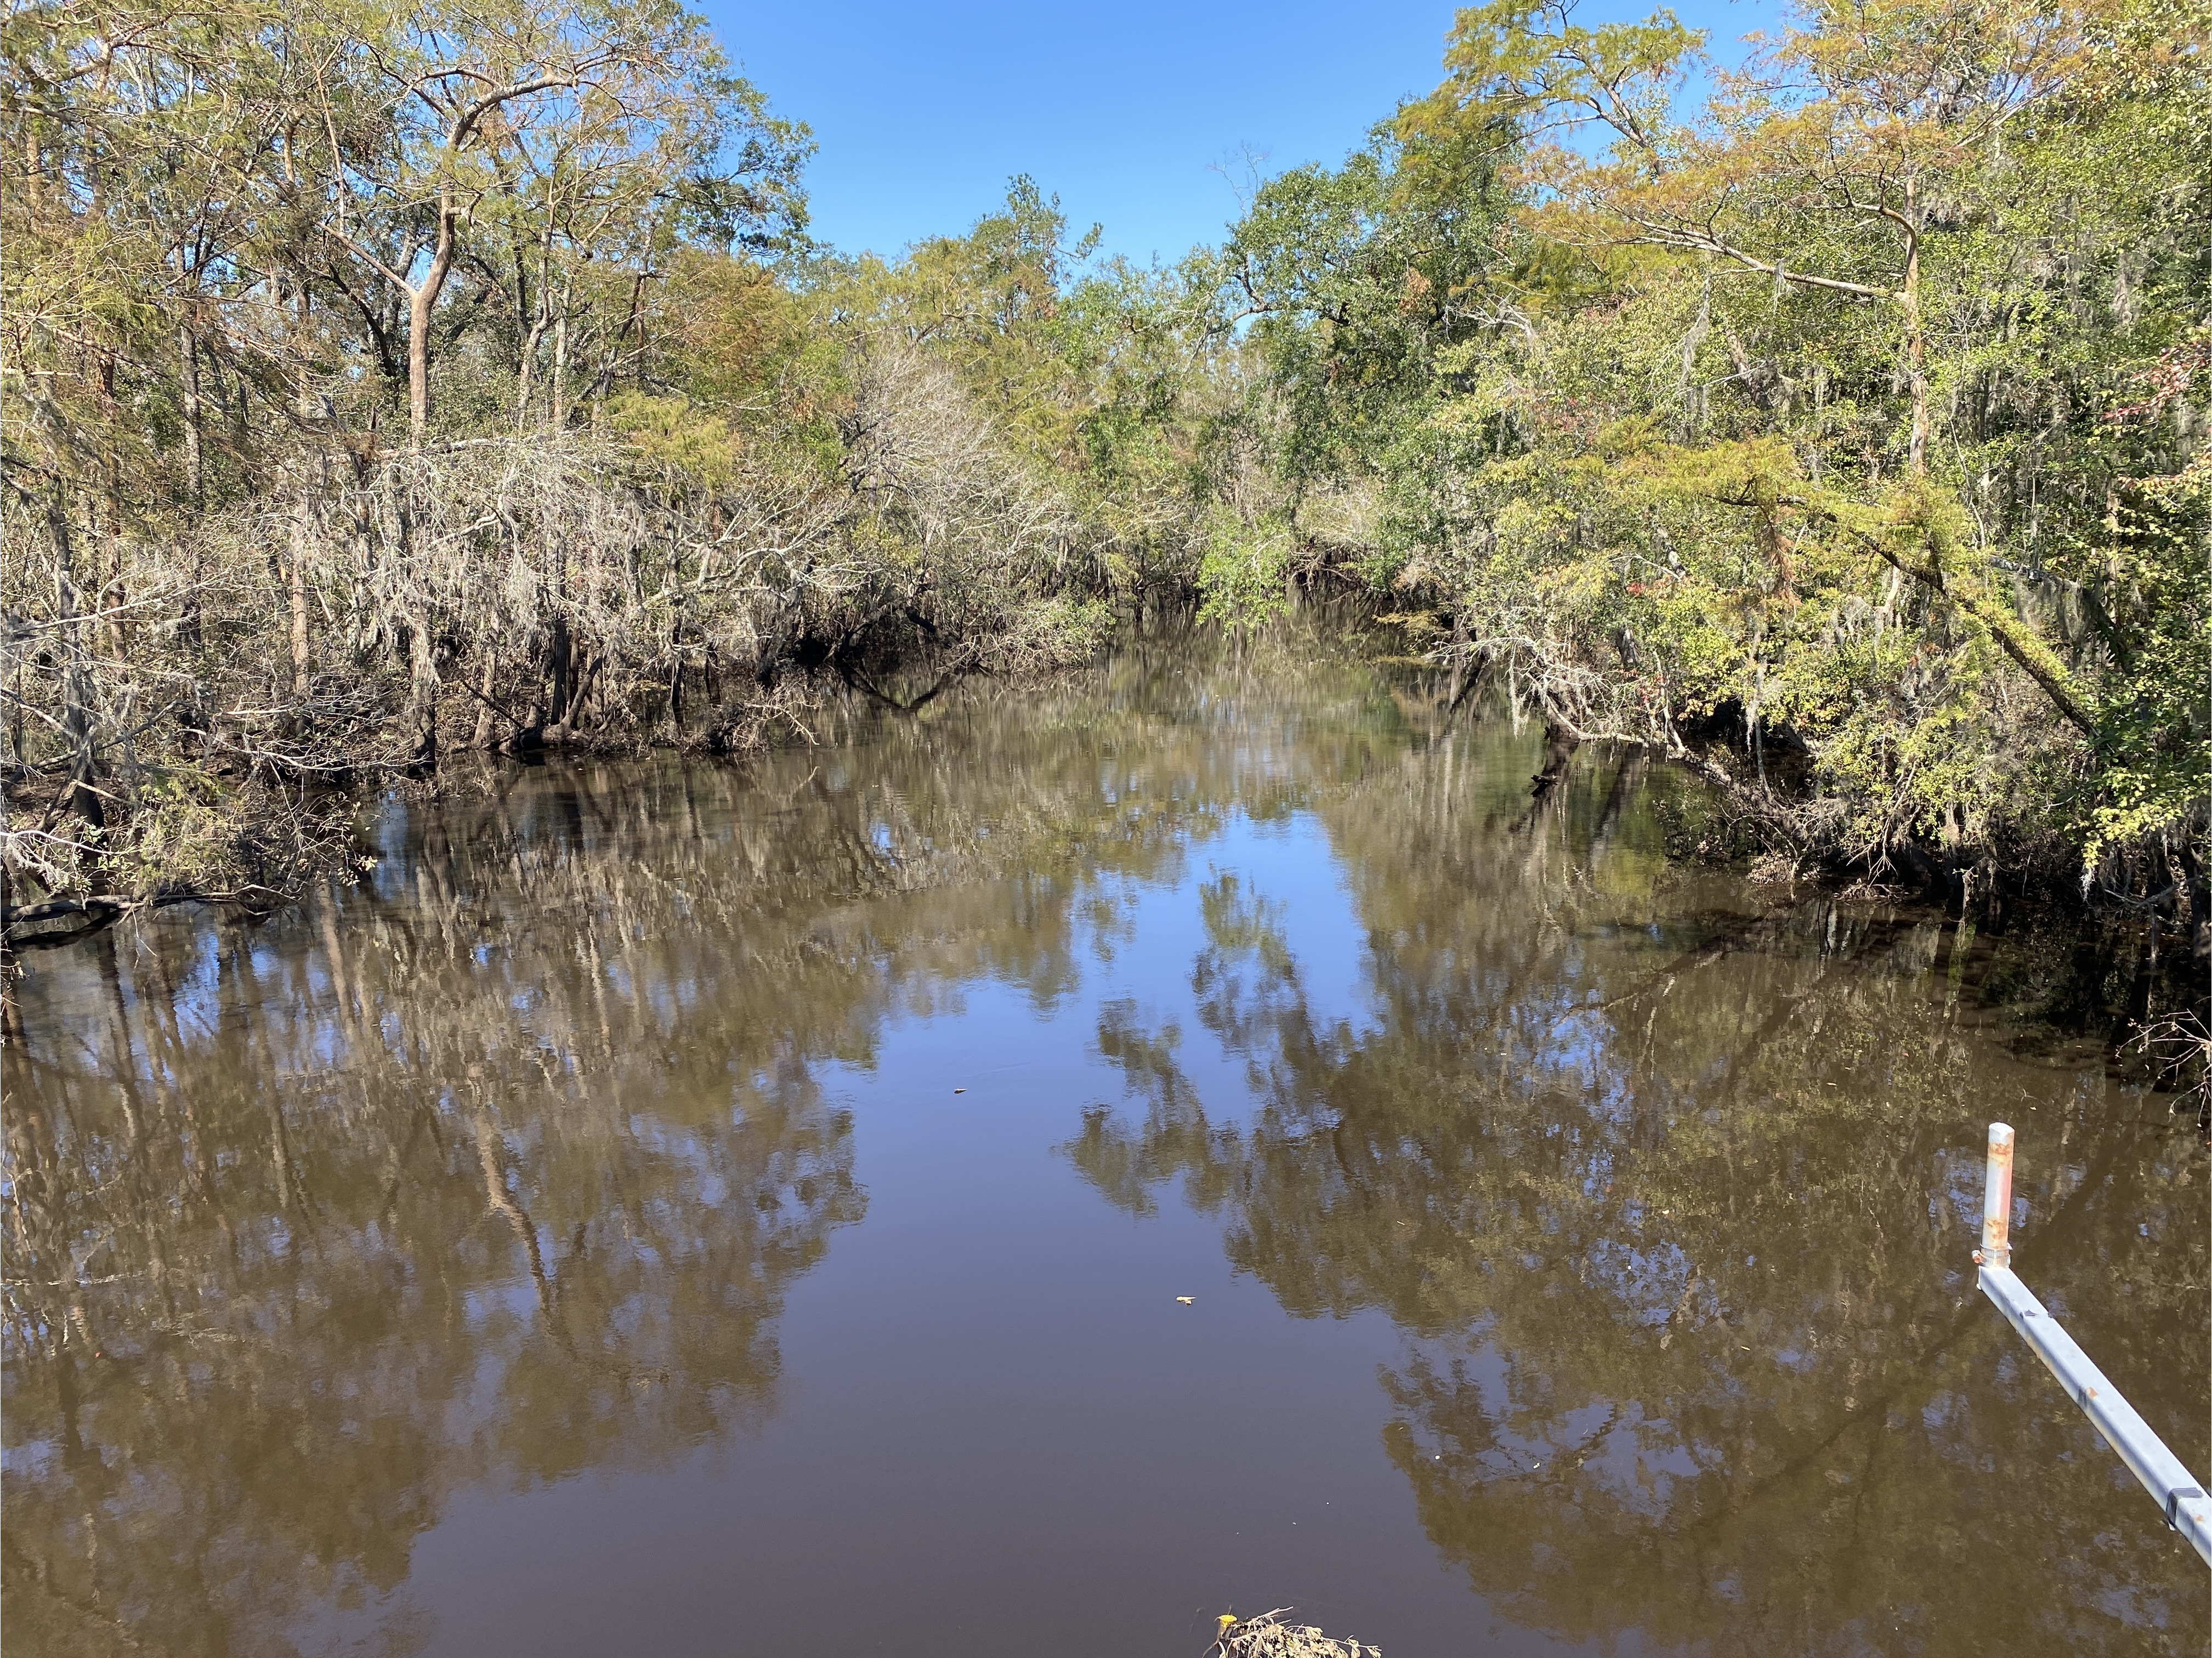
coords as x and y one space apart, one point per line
79 720
421 302
188 356
422 693
313 481
558 381
675 684
418 363
1916 339
295 583
560 652
1560 746
485 680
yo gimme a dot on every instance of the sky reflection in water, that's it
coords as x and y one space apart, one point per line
571 1240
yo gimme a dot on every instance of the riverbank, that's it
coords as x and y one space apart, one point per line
2098 971
1898 538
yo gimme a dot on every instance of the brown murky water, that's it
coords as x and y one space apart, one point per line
575 1239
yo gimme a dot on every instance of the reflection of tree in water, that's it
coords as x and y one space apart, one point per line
1673 1202
284 1284
500 1167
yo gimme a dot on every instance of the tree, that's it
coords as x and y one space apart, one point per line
585 116
1878 312
1356 280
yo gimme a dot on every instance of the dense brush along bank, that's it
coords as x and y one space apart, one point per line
707 940
394 386
1195 1137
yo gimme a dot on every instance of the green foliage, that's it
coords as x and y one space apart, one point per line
402 381
1245 569
1355 280
1845 441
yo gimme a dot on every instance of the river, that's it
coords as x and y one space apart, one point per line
1029 1178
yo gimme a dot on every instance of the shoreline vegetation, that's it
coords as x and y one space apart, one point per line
381 386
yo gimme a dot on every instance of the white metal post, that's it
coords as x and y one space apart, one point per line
1996 1199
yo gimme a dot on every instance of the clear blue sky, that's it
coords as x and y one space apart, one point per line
923 111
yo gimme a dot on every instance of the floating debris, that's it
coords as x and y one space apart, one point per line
1268 1637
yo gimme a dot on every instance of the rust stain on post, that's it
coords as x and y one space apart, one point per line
1996 1199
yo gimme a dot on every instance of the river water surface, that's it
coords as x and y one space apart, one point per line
1033 1177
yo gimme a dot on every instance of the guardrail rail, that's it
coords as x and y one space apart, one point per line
2178 1492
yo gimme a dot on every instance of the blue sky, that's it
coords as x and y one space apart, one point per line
923 111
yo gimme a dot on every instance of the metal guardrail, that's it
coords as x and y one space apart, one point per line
2177 1491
